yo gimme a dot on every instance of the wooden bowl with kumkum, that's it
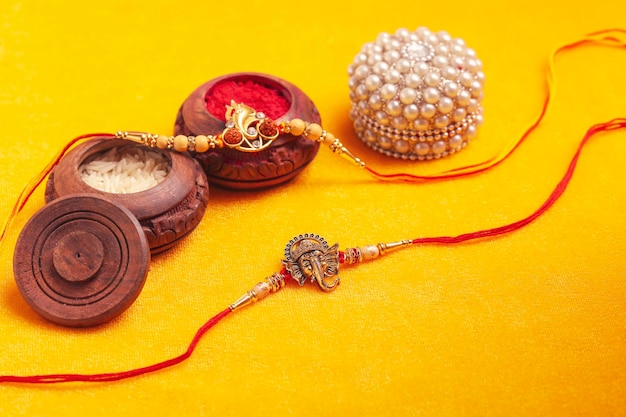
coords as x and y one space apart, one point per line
203 113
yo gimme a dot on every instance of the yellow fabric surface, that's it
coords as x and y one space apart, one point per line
532 323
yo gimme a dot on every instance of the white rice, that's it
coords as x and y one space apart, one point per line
124 171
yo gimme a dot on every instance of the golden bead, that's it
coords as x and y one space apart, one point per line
314 131
162 142
202 143
296 127
329 139
180 143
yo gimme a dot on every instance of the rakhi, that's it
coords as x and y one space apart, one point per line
308 257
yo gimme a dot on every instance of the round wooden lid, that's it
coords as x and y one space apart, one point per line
81 260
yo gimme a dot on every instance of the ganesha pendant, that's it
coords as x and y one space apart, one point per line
308 256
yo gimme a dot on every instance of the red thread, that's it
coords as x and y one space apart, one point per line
558 191
116 376
30 188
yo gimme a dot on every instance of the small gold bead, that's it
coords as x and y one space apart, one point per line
180 143
296 127
314 131
202 143
161 142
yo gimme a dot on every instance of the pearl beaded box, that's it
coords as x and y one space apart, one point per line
416 95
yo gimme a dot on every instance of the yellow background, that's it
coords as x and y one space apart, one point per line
532 323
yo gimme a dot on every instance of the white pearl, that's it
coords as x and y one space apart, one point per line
472 65
382 118
395 44
458 61
369 136
422 31
449 72
459 41
431 95
476 88
444 36
451 89
358 124
388 91
403 65
421 148
401 146
363 107
428 110
412 80
421 68
360 59
445 105
458 49
403 33
382 36
399 123
480 76
479 119
381 67
377 49
375 102
361 92
442 49
393 76
432 79
384 142
393 108
421 124
455 141
459 114
470 52
442 121
473 106
411 112
470 132
432 39
407 95
413 37
351 69
439 147
361 71
374 59
440 61
466 78
352 83
372 82
392 56
463 98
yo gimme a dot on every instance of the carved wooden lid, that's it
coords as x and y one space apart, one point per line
81 260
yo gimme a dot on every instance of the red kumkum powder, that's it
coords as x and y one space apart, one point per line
258 96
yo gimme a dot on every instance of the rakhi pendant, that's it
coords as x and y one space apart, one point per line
309 257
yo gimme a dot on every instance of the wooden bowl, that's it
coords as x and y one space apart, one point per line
236 170
166 212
